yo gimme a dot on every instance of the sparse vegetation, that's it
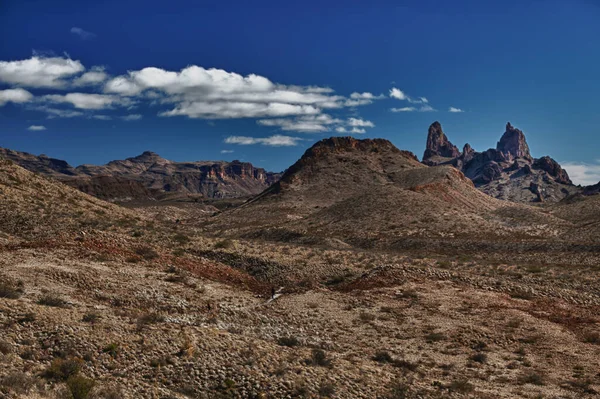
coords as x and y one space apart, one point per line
289 341
52 299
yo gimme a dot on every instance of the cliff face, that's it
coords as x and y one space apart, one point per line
507 172
149 176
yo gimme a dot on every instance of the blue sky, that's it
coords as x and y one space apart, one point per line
261 81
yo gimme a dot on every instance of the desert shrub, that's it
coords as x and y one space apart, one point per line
150 318
62 369
146 252
382 357
223 244
479 357
5 347
399 390
531 377
10 289
366 317
181 239
112 349
91 317
408 294
80 387
289 341
461 386
434 337
592 337
319 358
52 299
133 259
521 294
17 382
107 392
327 389
405 364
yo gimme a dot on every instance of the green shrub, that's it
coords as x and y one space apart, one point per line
112 349
80 387
61 369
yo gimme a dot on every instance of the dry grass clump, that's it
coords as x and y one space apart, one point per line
52 299
10 289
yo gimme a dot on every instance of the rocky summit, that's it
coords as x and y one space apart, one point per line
149 176
508 172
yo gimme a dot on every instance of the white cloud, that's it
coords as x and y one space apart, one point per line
231 110
424 108
357 122
132 117
198 92
306 124
88 100
227 151
455 110
39 71
403 109
92 78
15 96
83 34
397 94
583 173
273 141
420 100
354 130
36 128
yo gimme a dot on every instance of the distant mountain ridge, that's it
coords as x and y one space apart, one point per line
508 172
149 176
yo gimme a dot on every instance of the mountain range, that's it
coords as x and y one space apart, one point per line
507 172
149 176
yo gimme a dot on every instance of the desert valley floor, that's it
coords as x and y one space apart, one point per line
392 279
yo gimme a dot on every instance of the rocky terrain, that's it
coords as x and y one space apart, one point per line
508 172
392 280
149 176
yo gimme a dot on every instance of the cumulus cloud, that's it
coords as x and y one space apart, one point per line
83 34
36 128
40 72
101 117
213 93
227 151
583 173
273 141
455 110
318 124
397 94
88 100
357 122
15 96
420 100
95 76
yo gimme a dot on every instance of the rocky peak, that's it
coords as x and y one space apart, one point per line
553 168
513 144
438 144
146 156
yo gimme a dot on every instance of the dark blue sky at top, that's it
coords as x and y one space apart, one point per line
533 63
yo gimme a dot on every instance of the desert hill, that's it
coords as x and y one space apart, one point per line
368 192
37 208
508 172
149 176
